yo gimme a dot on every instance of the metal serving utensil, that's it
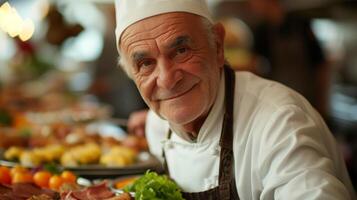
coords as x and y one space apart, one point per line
87 183
120 191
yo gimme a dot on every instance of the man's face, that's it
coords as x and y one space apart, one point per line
175 65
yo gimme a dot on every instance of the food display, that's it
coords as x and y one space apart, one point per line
20 183
52 138
66 130
72 150
47 143
39 177
43 184
150 186
63 134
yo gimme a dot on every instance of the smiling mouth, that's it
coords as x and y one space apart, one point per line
180 94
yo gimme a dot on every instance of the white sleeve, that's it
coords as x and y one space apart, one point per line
155 129
299 159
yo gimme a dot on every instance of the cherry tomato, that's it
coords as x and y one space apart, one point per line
5 176
55 182
22 177
17 169
21 120
68 177
42 178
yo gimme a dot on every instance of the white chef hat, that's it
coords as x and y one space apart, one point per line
130 11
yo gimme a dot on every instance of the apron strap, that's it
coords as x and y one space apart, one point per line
227 127
226 142
166 168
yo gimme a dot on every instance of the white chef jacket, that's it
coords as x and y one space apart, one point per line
282 147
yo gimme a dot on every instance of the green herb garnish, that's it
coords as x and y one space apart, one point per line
5 118
152 186
25 132
51 167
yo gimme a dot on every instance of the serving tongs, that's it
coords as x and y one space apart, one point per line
87 183
120 191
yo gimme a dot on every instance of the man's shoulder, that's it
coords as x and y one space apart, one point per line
264 92
258 101
270 112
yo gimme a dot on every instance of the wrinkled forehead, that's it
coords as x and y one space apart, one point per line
161 27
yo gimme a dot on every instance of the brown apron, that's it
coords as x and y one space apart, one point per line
227 188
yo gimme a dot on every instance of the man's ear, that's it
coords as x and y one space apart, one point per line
219 32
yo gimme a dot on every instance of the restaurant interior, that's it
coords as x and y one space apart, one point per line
60 79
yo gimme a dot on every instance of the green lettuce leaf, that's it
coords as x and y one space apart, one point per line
152 186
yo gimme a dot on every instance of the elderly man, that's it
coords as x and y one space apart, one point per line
222 134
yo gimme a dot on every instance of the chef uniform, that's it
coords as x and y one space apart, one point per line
282 149
260 140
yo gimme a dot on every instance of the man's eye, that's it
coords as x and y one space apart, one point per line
181 50
182 54
146 63
145 66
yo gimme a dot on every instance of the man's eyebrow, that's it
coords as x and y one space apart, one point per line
138 56
181 40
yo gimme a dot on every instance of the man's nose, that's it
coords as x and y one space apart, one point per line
169 75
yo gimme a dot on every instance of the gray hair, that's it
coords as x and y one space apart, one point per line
124 64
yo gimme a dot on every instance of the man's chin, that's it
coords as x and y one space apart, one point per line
179 119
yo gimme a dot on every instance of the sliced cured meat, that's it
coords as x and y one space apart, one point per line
97 192
24 191
27 190
100 191
5 188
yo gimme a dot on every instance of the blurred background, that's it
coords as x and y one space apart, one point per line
56 54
